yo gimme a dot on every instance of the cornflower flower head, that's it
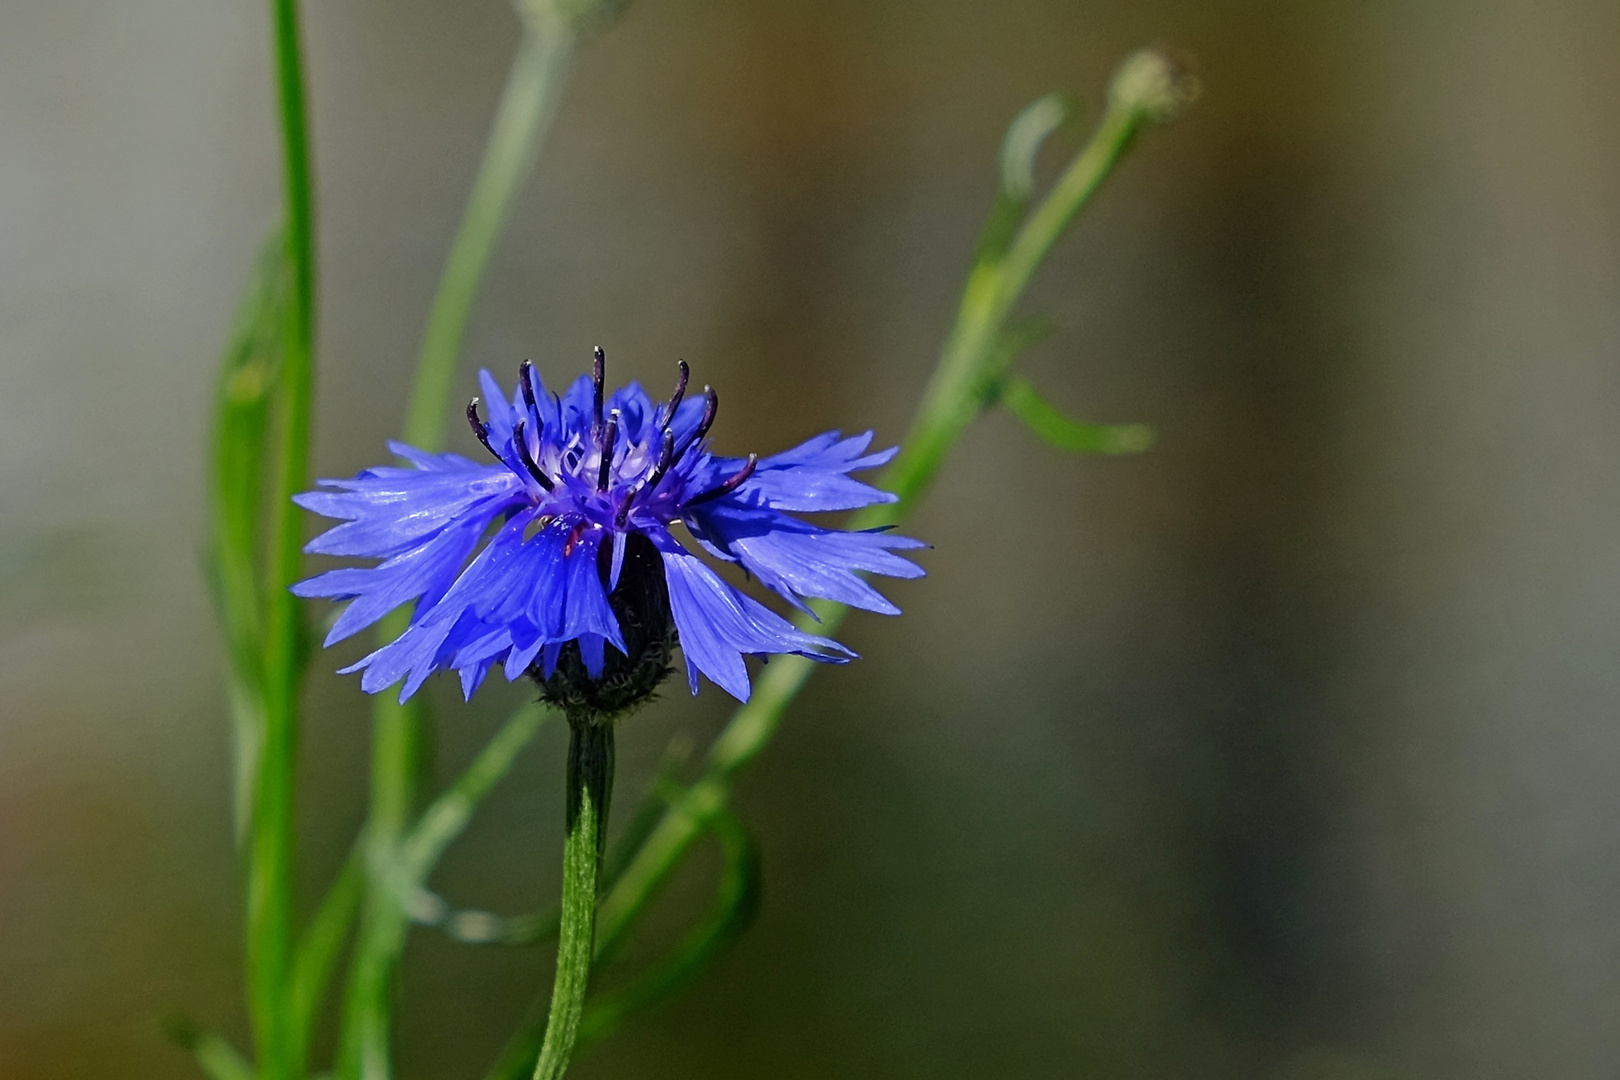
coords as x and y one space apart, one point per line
557 560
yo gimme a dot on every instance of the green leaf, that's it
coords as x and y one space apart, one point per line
1022 144
1016 165
242 403
1052 427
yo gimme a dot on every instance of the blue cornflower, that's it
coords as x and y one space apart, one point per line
558 560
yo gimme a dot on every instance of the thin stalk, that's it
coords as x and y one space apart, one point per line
976 352
969 365
590 784
272 864
527 106
321 945
394 873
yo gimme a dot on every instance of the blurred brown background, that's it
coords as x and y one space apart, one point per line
1286 750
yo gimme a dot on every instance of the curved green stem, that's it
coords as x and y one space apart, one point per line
970 365
590 783
736 903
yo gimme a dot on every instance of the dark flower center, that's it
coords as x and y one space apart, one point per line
628 679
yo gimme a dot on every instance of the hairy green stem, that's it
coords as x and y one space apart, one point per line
272 862
590 785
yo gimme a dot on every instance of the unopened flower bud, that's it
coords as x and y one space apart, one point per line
1153 84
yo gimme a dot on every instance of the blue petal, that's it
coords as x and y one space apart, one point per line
414 655
796 559
717 624
587 610
425 571
812 476
498 414
635 410
387 511
578 405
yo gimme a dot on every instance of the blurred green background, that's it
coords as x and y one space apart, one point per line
1286 750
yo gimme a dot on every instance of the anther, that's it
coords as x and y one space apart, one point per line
711 406
520 437
680 392
609 437
598 378
666 458
730 484
480 429
526 380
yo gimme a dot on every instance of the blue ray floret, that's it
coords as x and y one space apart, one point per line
561 554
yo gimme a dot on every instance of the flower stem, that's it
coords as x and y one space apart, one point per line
590 784
271 883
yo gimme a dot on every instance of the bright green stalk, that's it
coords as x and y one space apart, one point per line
590 785
272 863
1146 88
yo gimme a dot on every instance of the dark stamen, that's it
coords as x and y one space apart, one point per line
711 406
730 484
598 378
666 458
479 428
521 438
526 380
608 439
680 392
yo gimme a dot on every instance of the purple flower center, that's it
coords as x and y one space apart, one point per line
609 471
